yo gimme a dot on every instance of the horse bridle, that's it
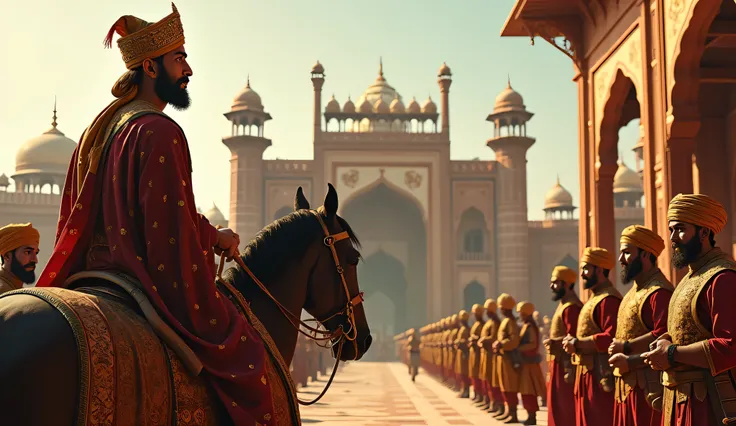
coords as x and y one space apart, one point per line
348 312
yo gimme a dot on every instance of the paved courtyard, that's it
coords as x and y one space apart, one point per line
373 394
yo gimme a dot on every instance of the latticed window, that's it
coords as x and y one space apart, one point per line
474 241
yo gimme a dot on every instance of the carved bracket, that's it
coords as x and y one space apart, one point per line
563 34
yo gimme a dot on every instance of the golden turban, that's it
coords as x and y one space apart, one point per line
565 274
453 319
506 301
17 235
599 257
463 315
643 238
140 40
490 305
699 210
525 308
477 309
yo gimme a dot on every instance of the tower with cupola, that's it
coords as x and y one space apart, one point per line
247 144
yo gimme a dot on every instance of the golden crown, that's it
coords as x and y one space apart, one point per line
153 40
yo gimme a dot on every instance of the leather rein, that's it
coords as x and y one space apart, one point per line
313 333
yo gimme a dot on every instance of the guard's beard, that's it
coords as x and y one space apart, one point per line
591 282
171 92
685 254
628 272
558 294
19 270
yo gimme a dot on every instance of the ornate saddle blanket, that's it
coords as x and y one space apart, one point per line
129 377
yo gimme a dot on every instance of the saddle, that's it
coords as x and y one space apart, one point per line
131 287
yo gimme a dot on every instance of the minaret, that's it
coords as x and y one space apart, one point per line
444 79
318 80
510 144
247 144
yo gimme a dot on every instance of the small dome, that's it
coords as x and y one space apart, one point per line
413 107
429 106
349 107
509 99
332 106
397 107
557 197
366 107
215 216
626 180
48 153
4 181
248 99
381 107
318 68
444 70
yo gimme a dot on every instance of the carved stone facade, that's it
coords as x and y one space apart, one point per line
666 63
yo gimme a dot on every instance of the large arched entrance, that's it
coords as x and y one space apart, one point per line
474 293
392 231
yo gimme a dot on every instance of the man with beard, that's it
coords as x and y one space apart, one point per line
461 354
474 356
560 397
488 334
595 332
508 361
642 318
698 353
19 251
128 207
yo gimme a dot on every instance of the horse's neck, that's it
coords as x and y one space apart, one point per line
278 326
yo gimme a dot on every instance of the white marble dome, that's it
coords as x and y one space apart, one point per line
557 197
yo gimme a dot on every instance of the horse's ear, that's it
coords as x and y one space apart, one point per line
300 201
331 201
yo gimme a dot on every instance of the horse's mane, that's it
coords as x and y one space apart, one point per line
281 242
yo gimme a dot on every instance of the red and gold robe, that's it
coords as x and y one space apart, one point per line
635 410
593 405
560 397
717 317
137 215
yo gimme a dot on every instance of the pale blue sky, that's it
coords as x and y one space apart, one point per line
53 47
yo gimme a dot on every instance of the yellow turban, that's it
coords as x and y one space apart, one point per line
490 305
453 319
525 308
599 257
506 301
565 274
643 238
463 315
477 309
699 210
17 235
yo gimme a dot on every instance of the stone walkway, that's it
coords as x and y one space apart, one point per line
376 394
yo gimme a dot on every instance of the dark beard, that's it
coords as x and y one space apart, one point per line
591 282
557 295
628 272
19 271
171 91
687 253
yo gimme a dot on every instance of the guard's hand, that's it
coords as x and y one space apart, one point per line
616 347
496 346
619 361
227 243
567 344
552 345
657 358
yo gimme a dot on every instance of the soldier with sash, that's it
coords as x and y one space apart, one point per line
462 353
474 355
560 397
642 318
531 379
488 334
596 330
698 353
508 362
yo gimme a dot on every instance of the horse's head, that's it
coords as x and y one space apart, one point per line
333 295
